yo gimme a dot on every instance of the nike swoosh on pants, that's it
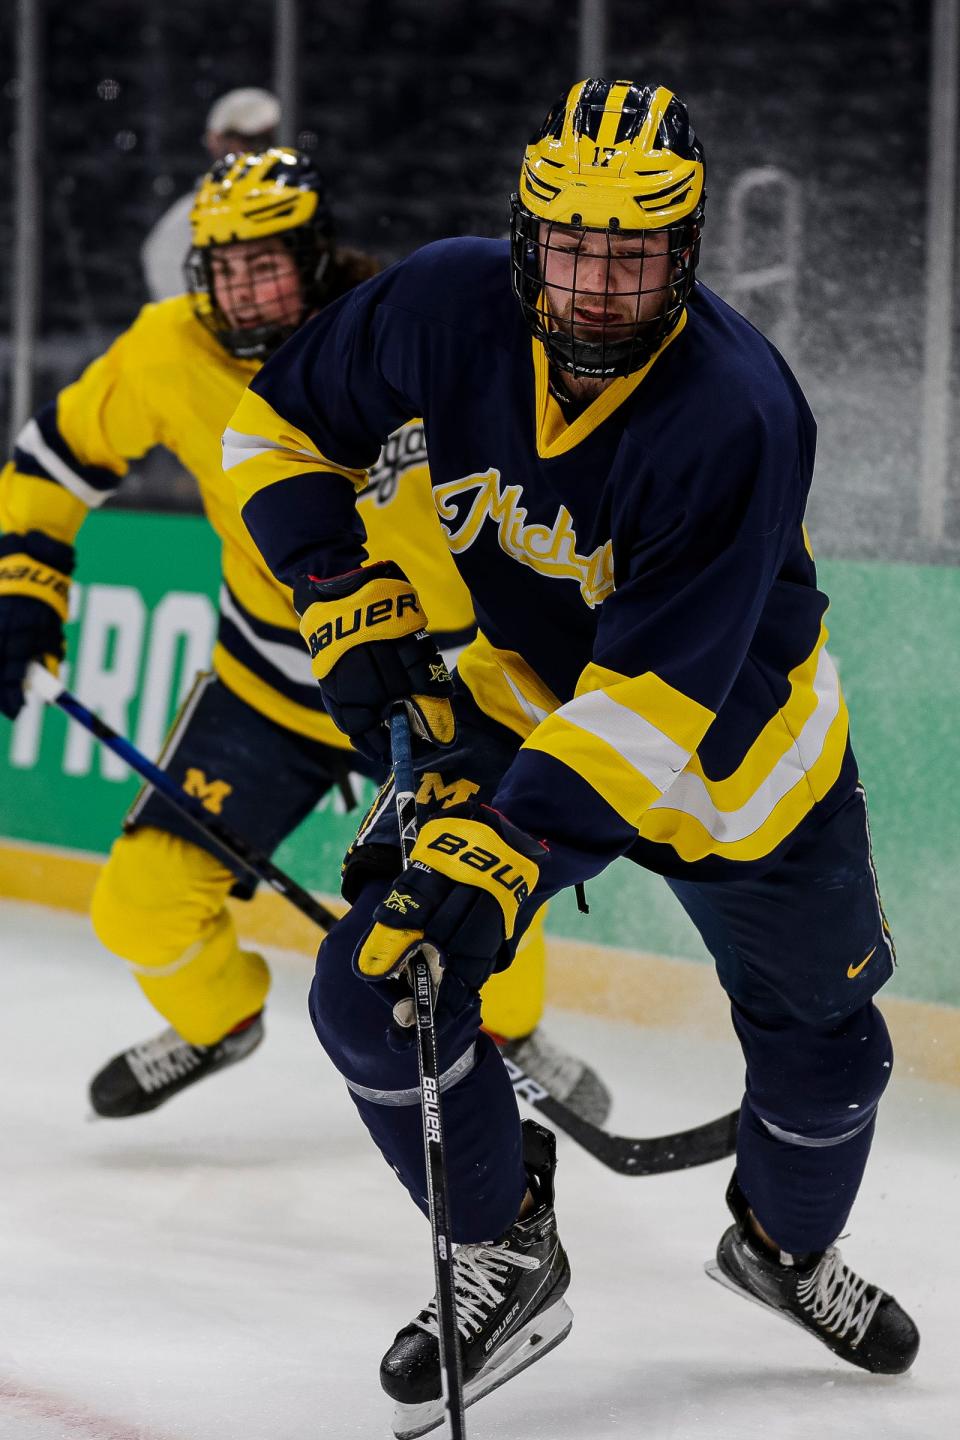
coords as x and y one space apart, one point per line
854 970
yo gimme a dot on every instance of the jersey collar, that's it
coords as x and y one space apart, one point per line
554 435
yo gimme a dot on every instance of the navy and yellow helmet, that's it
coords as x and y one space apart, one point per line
619 158
253 197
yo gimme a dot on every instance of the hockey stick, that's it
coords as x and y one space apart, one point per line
655 1155
430 1103
642 1155
233 848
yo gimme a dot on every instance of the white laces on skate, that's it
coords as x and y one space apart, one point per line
480 1277
836 1297
165 1058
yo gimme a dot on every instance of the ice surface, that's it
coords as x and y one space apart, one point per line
234 1265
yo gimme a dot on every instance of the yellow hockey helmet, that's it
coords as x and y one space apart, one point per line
275 193
622 159
248 197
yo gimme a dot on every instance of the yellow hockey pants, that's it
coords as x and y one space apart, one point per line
160 904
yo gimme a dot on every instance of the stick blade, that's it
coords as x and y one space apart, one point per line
649 1155
628 1155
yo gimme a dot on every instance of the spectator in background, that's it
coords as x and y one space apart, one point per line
240 120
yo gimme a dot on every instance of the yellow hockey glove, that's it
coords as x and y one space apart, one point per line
471 873
366 632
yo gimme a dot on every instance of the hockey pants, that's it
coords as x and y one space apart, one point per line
800 951
160 904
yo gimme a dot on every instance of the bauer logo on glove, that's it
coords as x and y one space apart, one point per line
471 873
399 612
367 637
25 570
458 846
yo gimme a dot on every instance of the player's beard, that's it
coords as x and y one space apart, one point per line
619 325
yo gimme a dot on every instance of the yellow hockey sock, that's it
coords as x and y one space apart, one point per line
160 904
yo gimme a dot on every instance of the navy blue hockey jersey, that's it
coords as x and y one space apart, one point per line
650 622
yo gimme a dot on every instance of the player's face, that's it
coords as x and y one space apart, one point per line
256 282
600 285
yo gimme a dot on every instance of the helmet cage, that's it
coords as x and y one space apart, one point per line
310 247
615 347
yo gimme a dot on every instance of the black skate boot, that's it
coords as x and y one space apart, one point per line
146 1075
856 1320
563 1076
510 1306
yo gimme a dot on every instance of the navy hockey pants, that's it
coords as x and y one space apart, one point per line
800 951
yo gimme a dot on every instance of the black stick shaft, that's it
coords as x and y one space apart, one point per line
430 1109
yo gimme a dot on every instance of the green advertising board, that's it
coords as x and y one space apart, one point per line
144 621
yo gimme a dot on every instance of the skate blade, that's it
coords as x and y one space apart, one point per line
722 1278
532 1341
712 1269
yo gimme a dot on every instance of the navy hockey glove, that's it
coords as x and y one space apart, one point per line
34 595
366 632
470 872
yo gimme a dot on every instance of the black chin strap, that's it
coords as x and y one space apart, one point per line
570 405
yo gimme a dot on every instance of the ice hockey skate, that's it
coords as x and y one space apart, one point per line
564 1076
147 1075
510 1306
856 1320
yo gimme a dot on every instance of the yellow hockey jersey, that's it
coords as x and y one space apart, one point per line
165 381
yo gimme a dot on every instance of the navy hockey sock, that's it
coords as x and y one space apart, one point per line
482 1137
807 1122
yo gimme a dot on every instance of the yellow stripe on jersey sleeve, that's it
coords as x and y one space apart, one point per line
634 740
29 503
625 789
628 736
790 766
696 830
811 686
685 721
260 448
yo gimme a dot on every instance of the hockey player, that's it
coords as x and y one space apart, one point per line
621 465
253 740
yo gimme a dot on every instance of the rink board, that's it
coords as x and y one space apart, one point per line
144 618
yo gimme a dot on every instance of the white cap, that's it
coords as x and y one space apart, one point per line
250 111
